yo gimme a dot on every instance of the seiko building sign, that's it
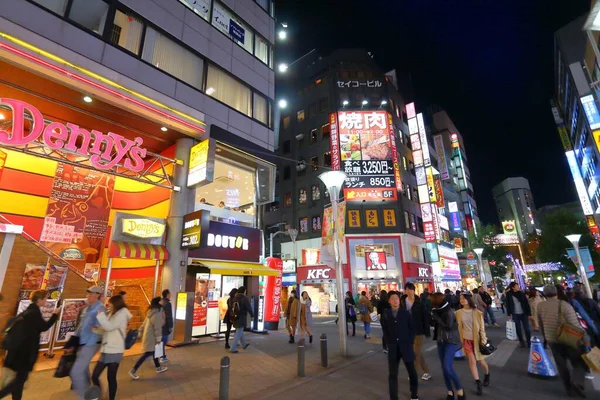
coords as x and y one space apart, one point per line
229 242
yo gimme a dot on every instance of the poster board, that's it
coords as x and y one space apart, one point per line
47 311
67 323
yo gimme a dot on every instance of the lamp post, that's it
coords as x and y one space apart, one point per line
479 252
333 181
574 239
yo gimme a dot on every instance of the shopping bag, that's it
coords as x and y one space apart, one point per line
592 359
64 365
158 350
374 316
511 330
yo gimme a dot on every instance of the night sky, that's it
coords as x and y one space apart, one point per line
488 63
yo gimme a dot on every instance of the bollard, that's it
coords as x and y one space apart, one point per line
301 351
224 379
324 350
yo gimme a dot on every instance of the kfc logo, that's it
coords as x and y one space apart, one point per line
423 273
318 274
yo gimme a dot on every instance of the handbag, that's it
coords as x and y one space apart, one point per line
487 349
64 365
568 334
511 330
374 316
592 359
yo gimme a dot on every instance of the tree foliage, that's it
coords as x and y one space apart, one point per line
496 255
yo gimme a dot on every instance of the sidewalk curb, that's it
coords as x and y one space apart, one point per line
284 387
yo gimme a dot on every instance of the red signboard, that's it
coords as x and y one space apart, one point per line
200 301
395 154
417 271
469 221
376 260
439 192
315 272
272 290
335 142
429 231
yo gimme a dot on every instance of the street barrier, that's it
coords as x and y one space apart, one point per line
301 354
540 363
224 379
324 350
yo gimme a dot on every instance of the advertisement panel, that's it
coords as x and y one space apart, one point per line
389 217
421 176
429 231
449 265
415 141
509 227
397 178
443 222
458 245
410 110
272 290
423 194
334 142
47 312
430 185
439 192
376 260
367 156
229 242
202 163
436 223
455 222
201 301
327 228
353 218
424 142
438 142
3 156
412 126
372 218
67 323
452 206
193 225
586 205
426 212
586 258
591 111
418 158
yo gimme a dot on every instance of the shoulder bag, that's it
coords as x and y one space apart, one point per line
568 334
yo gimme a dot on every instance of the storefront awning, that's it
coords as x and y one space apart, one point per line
235 268
138 251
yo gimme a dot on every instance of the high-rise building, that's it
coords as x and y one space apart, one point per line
515 206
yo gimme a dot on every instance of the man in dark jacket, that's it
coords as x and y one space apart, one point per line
488 312
518 309
28 326
399 333
420 318
239 308
168 326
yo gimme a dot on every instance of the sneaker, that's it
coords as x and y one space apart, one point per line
246 346
164 360
367 336
426 377
589 376
133 375
160 370
385 351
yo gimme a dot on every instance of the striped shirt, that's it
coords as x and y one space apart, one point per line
547 313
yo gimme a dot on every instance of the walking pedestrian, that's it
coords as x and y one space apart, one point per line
241 307
534 297
151 337
399 332
365 309
305 316
503 301
291 315
421 324
488 310
24 345
448 343
517 309
451 298
383 305
227 319
472 334
89 340
349 304
114 323
168 326
551 314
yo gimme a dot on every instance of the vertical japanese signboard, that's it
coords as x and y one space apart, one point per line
353 218
591 111
438 142
272 290
363 146
424 142
439 191
202 163
389 217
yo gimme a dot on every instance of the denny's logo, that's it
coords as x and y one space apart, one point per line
105 150
143 228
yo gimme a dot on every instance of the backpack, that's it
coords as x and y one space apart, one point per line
362 309
14 333
131 338
234 312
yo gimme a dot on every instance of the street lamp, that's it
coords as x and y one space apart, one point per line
282 67
333 181
574 239
282 35
479 252
282 103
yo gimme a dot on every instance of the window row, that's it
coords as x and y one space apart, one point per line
315 194
315 224
413 222
134 34
322 106
232 26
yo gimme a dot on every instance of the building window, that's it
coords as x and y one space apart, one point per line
406 220
287 172
287 200
172 58
228 90
408 192
313 136
286 122
90 14
261 49
232 26
261 109
300 115
302 196
316 223
325 130
57 6
303 222
312 110
420 225
314 163
316 192
404 163
413 222
323 104
127 32
414 253
327 159
287 147
200 7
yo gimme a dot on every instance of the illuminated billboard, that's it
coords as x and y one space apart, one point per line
438 142
586 205
367 154
423 137
591 111
426 212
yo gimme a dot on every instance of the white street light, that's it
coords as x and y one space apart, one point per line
282 103
283 67
284 24
282 35
365 102
333 181
574 239
383 102
345 103
479 252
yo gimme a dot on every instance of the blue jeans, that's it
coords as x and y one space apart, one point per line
522 319
141 360
165 339
238 338
80 372
488 311
446 353
367 327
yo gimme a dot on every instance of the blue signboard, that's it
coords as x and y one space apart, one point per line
236 31
586 258
455 221
591 111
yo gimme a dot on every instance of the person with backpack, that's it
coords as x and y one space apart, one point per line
151 337
22 342
114 324
364 309
88 339
168 326
227 319
241 307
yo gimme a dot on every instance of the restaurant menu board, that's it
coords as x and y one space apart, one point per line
41 276
201 300
368 155
46 314
91 271
78 211
68 319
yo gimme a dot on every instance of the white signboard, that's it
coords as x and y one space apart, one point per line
438 141
424 143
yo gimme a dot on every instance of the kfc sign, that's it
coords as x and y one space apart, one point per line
423 273
416 271
315 273
106 151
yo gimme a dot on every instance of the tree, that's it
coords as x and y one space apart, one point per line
496 255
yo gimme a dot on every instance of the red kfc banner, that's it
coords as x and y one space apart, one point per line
272 290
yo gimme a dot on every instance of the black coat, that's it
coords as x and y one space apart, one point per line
445 325
23 359
350 304
245 308
420 316
511 297
168 309
382 305
399 333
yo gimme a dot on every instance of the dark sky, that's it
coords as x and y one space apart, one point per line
488 63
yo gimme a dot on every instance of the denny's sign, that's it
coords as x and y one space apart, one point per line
143 228
105 151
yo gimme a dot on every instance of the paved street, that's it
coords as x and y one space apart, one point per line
267 370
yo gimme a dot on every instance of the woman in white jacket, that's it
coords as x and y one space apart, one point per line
114 326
